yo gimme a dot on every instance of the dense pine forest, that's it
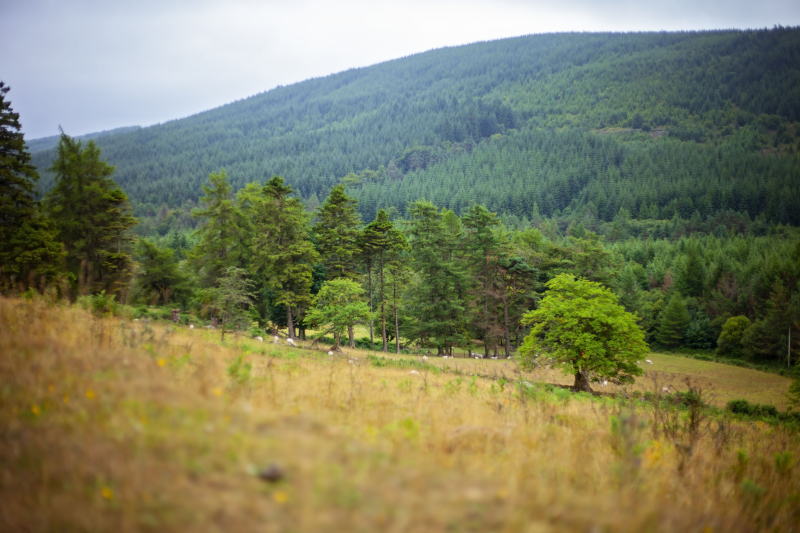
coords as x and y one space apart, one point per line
431 199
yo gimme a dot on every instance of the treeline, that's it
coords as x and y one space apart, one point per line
260 260
426 113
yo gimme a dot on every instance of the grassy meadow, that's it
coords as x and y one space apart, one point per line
107 425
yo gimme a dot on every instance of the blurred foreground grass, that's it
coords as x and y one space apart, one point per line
113 426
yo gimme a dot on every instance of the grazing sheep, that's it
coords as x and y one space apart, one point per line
330 352
290 342
276 339
424 357
350 361
260 339
191 326
414 372
648 361
444 357
495 358
666 389
605 382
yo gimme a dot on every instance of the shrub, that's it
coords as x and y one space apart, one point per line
743 407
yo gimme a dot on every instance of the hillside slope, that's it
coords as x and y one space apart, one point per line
737 94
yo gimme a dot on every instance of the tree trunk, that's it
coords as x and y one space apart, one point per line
369 289
582 383
505 319
383 311
289 323
396 322
352 335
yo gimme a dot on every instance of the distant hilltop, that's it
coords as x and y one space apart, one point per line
45 143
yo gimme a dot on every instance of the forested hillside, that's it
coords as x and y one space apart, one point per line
657 123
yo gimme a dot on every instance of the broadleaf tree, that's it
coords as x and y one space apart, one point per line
580 328
339 306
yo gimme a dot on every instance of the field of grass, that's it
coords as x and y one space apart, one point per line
721 383
114 426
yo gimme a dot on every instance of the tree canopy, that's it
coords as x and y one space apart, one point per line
580 328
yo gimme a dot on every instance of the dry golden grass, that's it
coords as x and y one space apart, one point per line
104 429
721 382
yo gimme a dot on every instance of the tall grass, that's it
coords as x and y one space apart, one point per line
106 426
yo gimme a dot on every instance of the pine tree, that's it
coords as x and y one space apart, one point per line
28 240
159 275
336 232
283 255
485 254
437 300
221 236
674 321
92 215
383 242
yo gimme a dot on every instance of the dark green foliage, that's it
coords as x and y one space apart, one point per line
336 233
283 256
92 215
437 299
480 123
384 243
743 407
159 275
29 248
674 321
221 235
700 334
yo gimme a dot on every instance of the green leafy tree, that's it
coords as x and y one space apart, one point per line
29 249
580 328
384 242
159 274
339 306
674 321
730 340
283 255
92 215
221 234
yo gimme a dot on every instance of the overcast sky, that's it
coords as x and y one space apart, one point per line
95 65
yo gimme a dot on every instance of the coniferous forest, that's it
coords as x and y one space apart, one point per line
430 199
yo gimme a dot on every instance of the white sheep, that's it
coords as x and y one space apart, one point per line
191 326
414 372
605 382
495 358
260 339
350 361
330 352
444 357
290 342
648 361
666 389
424 357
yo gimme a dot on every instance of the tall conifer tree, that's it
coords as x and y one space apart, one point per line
92 215
283 254
28 240
221 236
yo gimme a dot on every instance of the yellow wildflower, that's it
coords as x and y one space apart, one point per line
217 391
107 493
161 362
35 410
280 496
90 394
